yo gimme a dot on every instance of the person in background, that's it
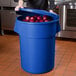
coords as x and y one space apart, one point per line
37 4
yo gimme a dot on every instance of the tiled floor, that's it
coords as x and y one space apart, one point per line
65 59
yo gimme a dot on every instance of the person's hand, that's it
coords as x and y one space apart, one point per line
20 5
17 7
52 11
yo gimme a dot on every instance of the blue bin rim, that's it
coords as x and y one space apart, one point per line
22 11
36 11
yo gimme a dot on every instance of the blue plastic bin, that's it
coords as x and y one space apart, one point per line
37 41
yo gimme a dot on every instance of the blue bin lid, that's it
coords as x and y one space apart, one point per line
22 11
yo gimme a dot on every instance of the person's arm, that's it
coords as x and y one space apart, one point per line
20 5
52 6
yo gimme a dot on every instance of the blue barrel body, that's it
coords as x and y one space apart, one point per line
37 44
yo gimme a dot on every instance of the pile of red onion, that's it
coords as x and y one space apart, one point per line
37 18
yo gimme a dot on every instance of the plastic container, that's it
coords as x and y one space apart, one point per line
37 41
